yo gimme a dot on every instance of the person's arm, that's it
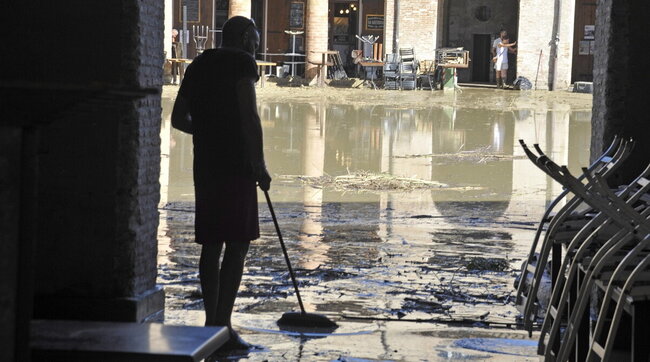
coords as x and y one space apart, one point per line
252 130
507 45
181 119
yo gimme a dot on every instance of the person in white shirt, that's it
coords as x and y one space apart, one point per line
500 49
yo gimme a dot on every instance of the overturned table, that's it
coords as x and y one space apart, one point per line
55 341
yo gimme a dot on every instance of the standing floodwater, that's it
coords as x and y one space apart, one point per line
396 206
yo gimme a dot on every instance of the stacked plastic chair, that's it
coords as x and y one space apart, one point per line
408 69
611 253
391 72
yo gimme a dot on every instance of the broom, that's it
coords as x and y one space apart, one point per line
302 318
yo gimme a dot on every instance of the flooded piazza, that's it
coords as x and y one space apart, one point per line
406 216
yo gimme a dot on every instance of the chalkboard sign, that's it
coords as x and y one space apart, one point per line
374 22
297 15
193 10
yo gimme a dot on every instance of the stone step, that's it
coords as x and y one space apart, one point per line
66 340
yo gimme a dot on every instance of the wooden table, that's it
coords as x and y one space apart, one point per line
55 341
260 66
322 66
293 63
181 69
372 64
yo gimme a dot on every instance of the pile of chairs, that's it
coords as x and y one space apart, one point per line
604 235
408 69
391 72
401 70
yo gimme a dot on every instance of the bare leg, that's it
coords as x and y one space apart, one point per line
209 275
504 76
230 278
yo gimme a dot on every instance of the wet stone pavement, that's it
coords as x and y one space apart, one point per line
405 225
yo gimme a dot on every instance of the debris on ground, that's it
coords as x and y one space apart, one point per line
479 155
363 180
487 264
427 306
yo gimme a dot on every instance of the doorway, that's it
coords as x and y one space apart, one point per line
481 58
344 26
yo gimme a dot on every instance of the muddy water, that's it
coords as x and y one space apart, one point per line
367 256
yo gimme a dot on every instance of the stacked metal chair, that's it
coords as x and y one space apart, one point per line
558 228
408 69
612 253
391 72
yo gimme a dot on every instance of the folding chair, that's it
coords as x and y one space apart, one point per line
636 288
563 226
591 258
596 194
613 264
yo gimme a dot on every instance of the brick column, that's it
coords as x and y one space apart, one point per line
98 190
316 34
620 83
239 7
423 36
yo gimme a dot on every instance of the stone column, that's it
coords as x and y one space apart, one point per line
239 8
316 34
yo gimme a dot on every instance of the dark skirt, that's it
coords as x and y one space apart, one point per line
226 211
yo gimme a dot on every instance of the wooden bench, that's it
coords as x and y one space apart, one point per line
70 341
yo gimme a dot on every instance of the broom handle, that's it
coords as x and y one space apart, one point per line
284 251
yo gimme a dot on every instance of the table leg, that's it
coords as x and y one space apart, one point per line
323 70
260 75
181 72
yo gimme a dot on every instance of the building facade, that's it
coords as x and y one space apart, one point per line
553 37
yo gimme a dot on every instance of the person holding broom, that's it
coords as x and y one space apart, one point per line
216 103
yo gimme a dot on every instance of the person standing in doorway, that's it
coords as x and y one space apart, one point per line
500 49
176 53
216 103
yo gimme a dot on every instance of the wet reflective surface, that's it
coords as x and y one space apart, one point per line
373 255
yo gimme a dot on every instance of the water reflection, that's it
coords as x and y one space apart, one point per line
365 253
311 229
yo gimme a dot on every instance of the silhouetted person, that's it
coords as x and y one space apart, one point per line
216 104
